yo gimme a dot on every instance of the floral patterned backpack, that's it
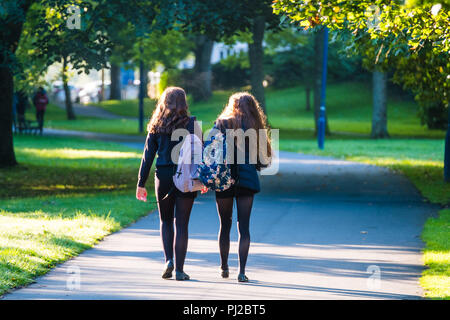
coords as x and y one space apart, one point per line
214 172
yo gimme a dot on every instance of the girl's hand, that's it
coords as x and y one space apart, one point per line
204 190
141 194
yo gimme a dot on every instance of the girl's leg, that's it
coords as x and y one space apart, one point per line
225 211
244 208
166 209
183 209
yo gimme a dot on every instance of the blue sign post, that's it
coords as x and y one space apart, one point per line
322 115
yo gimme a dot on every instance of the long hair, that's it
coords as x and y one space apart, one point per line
171 112
243 112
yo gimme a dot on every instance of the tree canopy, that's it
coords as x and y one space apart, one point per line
412 39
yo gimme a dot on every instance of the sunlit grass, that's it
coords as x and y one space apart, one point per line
436 279
68 153
64 196
349 109
37 233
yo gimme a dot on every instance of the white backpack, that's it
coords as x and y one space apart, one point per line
186 176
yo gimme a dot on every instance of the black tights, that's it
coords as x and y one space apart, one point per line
225 210
182 207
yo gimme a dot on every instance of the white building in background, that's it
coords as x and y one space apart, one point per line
220 51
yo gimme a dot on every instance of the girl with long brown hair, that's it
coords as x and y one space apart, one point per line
171 113
241 112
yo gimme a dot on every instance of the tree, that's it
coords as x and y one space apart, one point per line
218 19
317 78
261 18
412 39
202 88
11 24
379 116
256 57
68 99
115 89
86 47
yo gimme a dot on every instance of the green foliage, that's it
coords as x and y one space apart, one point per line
412 39
232 72
289 59
158 48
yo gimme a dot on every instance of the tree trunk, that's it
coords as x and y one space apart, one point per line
142 81
9 41
308 98
317 86
256 57
379 112
68 99
7 157
115 89
202 86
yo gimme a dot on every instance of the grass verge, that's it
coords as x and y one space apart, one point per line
421 160
436 279
65 195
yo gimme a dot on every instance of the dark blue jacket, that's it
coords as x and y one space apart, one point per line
158 144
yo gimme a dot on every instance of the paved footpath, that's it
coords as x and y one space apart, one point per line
321 229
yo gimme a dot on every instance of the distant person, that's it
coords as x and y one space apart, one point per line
40 101
21 107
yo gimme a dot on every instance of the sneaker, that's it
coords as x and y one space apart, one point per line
242 278
225 273
180 275
167 273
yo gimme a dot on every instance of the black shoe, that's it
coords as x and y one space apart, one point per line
225 273
180 275
167 273
242 278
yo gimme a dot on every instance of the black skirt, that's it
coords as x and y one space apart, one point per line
235 191
164 184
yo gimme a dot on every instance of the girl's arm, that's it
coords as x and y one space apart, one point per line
150 149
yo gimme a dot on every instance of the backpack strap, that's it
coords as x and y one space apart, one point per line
191 131
190 125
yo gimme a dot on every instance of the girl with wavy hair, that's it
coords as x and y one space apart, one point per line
174 206
241 112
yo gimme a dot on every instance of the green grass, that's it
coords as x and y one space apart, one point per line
436 279
127 108
349 109
55 118
65 195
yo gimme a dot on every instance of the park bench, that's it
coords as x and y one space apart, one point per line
26 126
